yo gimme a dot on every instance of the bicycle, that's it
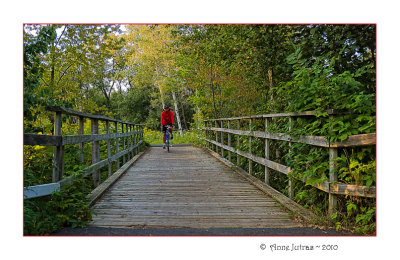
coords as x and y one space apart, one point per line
167 138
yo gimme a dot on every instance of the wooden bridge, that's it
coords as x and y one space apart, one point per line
191 186
186 188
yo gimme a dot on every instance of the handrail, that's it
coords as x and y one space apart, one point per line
289 114
132 139
332 187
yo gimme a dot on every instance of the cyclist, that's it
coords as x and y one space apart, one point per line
167 120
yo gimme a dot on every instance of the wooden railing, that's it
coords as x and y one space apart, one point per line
131 135
214 136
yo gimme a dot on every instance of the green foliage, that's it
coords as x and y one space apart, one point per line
215 71
68 207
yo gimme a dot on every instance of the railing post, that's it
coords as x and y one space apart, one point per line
58 151
95 151
222 138
229 141
333 154
216 136
117 143
210 133
238 145
81 132
123 143
134 139
142 133
266 169
108 148
128 141
250 161
291 187
137 137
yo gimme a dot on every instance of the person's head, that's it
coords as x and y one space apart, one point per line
166 107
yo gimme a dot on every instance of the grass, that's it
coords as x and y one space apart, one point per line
156 137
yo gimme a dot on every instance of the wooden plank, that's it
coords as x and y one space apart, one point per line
353 190
271 164
189 188
88 170
208 223
354 140
53 140
292 114
86 115
102 188
322 186
40 190
42 140
75 139
285 201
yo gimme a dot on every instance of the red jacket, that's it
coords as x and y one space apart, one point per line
167 118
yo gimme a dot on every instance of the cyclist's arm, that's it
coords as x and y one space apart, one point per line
172 118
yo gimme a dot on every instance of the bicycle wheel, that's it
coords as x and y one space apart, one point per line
168 141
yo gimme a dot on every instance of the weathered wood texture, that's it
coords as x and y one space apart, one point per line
102 188
68 111
331 186
59 141
186 188
345 189
354 140
40 190
294 114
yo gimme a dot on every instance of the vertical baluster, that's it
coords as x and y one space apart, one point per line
222 138
229 141
210 136
238 145
128 141
134 138
58 151
81 132
216 136
123 143
117 143
95 151
108 148
250 139
291 186
333 178
266 169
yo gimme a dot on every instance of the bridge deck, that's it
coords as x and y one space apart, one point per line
186 188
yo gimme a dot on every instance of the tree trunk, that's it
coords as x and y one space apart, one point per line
271 85
178 119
